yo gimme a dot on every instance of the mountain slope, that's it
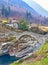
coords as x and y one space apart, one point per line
20 4
40 10
37 7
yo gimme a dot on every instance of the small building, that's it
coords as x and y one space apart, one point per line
15 25
13 21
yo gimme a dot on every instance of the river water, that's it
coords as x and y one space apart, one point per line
7 60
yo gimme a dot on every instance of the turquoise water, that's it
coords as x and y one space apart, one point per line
6 59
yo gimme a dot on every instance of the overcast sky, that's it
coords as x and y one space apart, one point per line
43 3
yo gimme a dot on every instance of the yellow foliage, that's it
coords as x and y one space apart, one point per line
4 20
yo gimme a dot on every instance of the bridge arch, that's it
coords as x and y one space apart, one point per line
27 35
